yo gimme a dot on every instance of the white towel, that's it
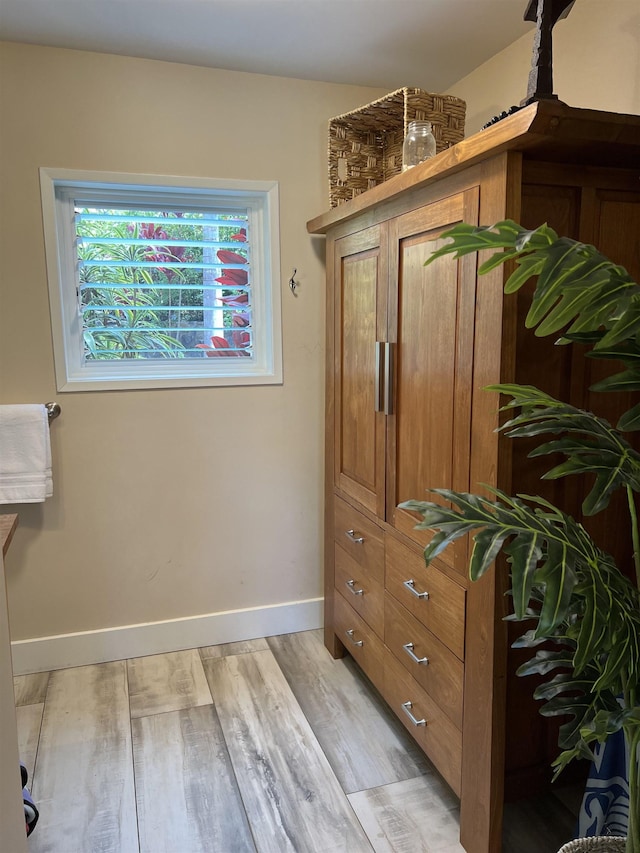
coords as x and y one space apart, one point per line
25 455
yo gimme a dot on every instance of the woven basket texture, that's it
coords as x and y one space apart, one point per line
601 844
365 146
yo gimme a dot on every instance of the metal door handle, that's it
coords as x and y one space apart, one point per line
389 354
406 707
408 647
410 585
351 586
377 391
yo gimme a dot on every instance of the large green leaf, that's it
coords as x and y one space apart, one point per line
571 588
470 238
558 573
547 549
592 446
630 420
577 289
625 325
546 661
525 553
628 380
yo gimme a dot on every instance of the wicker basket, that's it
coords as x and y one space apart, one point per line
597 844
365 146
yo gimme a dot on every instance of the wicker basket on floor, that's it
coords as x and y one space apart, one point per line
598 844
365 146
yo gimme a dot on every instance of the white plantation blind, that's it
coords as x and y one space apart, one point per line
161 283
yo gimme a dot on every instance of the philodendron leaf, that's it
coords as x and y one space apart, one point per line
593 626
573 697
546 661
528 266
525 553
577 286
592 445
628 352
571 271
528 640
598 723
487 545
624 327
470 238
563 683
628 380
630 421
559 577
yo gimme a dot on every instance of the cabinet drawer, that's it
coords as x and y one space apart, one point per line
359 639
364 594
361 539
443 610
431 727
439 671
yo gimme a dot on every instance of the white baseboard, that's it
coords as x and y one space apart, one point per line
129 641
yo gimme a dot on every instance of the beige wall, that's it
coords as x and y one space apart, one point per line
596 64
168 503
174 503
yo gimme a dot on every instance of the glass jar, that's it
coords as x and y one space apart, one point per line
419 144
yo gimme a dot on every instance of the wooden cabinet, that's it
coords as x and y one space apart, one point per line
393 316
410 350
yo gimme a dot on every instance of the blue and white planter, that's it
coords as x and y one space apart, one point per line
604 815
605 805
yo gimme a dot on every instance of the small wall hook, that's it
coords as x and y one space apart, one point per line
293 283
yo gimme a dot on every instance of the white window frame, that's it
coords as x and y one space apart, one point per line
59 187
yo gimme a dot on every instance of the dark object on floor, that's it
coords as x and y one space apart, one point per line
31 813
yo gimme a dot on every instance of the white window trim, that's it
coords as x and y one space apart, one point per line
73 374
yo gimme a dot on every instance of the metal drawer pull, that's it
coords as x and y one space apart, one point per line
351 585
406 707
349 634
410 585
408 647
352 535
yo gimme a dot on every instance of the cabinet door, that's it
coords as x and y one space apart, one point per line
431 319
361 266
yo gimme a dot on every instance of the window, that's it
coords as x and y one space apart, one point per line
161 282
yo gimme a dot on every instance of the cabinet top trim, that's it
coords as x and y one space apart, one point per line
546 130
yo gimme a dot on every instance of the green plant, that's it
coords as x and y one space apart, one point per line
119 320
586 612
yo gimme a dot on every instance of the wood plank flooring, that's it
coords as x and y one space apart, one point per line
268 746
83 779
287 783
200 809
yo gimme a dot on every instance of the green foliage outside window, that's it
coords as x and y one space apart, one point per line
160 284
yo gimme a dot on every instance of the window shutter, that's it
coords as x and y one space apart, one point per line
163 283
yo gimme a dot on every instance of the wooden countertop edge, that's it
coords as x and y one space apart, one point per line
544 122
8 525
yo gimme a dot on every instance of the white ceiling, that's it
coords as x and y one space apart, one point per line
384 43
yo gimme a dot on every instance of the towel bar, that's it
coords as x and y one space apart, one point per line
53 410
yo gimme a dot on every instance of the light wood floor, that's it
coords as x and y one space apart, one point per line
268 745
